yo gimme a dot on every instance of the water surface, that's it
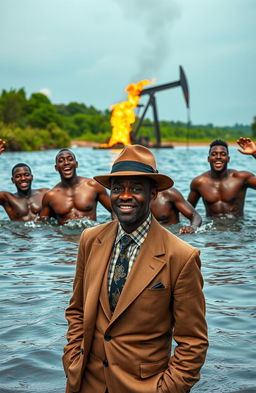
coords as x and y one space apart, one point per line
37 264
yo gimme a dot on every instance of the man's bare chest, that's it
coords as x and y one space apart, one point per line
63 202
225 190
24 206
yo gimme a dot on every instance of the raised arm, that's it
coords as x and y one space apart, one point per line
187 210
2 145
3 197
250 180
247 146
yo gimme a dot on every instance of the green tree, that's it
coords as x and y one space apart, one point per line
35 101
75 108
43 115
12 106
96 123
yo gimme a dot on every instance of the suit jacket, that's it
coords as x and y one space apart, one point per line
130 351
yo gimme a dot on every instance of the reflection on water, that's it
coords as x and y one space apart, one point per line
37 266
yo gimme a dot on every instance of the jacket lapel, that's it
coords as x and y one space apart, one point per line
100 255
151 259
104 296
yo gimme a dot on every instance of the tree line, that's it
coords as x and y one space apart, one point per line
35 123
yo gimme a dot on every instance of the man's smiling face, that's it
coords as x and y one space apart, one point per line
66 164
218 158
22 178
130 199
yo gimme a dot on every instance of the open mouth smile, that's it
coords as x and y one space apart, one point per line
67 170
218 164
126 208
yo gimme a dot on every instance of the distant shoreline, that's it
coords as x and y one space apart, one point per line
76 143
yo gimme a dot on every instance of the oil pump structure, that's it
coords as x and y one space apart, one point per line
151 91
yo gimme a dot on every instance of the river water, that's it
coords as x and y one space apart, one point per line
37 263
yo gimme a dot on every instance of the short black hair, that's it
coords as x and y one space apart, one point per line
218 142
21 165
64 150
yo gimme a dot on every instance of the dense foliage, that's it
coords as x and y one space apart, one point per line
35 123
30 124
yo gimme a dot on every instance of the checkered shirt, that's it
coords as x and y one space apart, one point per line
139 235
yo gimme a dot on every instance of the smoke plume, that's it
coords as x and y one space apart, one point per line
156 17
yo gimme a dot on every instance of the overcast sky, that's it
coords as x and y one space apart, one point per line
88 51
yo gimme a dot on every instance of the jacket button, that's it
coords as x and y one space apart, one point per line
105 363
107 337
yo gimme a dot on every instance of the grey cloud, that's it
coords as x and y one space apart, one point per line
156 19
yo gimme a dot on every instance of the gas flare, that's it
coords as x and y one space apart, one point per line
123 116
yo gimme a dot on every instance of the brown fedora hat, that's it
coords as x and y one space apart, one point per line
136 160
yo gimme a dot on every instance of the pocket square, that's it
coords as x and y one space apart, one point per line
158 285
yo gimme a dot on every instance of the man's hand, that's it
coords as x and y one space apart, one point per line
2 144
187 229
247 146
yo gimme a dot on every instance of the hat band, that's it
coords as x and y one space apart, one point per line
133 166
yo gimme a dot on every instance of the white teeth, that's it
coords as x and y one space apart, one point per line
126 207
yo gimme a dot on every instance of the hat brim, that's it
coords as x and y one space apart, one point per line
162 181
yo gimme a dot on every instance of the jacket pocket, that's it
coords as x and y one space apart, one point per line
149 369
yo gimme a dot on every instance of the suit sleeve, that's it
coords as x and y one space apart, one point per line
190 330
75 310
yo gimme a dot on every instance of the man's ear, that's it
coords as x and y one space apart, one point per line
12 179
56 169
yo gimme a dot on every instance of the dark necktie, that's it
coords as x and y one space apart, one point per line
120 272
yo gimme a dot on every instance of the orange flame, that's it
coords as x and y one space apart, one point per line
123 115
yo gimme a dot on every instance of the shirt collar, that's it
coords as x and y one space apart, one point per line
139 234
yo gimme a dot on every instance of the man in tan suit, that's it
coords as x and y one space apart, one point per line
136 286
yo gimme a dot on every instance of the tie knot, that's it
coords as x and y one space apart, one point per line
125 241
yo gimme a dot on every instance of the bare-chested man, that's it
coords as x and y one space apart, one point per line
26 203
222 190
167 206
74 197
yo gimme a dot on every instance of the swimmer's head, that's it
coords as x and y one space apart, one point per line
62 151
21 165
22 177
218 142
66 164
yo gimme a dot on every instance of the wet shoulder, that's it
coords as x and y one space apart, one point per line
201 178
88 182
243 175
6 195
169 195
41 190
174 194
52 191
